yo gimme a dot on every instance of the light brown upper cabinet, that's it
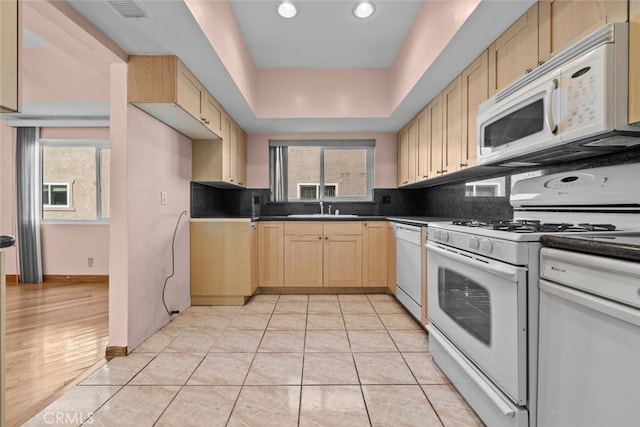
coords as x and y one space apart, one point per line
160 83
452 138
435 132
564 22
9 25
634 61
221 162
403 156
475 90
422 167
515 52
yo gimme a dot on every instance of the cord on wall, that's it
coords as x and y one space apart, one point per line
173 266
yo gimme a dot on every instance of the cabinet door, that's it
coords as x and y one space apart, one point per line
254 257
391 259
422 167
634 61
514 52
189 92
303 260
564 22
452 138
271 253
212 113
374 254
403 157
9 25
475 90
412 151
435 112
342 260
226 148
242 158
220 254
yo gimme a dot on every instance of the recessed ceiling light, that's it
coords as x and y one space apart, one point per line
287 9
364 9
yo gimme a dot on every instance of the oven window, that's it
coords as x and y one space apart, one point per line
466 302
517 125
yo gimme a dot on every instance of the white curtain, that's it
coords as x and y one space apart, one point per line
278 189
28 190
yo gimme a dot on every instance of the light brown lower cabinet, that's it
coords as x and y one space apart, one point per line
271 253
375 235
221 262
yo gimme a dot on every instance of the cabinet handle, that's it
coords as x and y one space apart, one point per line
319 237
540 62
425 176
463 165
241 183
444 171
326 238
528 70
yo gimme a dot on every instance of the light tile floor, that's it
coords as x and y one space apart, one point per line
281 360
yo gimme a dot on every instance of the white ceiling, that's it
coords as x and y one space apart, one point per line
324 34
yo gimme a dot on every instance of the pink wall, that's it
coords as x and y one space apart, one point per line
158 159
436 23
66 249
258 156
289 93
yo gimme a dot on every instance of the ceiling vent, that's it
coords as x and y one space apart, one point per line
128 8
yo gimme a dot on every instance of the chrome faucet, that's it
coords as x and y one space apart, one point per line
329 209
321 208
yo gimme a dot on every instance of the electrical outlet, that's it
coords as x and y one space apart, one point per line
90 262
163 197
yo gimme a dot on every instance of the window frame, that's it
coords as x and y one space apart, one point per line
99 145
68 206
367 144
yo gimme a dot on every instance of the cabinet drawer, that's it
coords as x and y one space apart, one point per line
351 228
302 228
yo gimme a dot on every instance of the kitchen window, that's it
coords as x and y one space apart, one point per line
75 180
321 170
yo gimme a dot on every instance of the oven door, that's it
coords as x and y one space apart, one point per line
479 304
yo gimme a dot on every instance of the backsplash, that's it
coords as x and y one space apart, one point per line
446 200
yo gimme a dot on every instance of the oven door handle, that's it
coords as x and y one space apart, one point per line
496 268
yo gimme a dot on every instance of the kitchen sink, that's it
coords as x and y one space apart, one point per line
323 216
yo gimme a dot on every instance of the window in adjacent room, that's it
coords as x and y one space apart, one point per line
322 170
75 180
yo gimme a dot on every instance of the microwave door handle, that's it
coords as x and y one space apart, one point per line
548 112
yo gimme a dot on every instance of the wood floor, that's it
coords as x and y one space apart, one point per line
55 333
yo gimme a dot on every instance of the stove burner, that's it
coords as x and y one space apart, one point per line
534 226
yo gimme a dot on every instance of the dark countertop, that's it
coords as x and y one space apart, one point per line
615 246
411 220
321 218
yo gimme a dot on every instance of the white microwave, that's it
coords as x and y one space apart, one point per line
573 106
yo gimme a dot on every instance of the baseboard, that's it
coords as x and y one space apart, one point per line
64 278
112 352
321 291
76 278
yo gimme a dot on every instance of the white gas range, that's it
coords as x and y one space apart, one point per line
483 283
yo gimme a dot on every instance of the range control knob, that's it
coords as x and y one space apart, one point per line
474 243
444 235
486 246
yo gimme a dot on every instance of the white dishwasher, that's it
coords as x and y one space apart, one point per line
409 268
589 348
